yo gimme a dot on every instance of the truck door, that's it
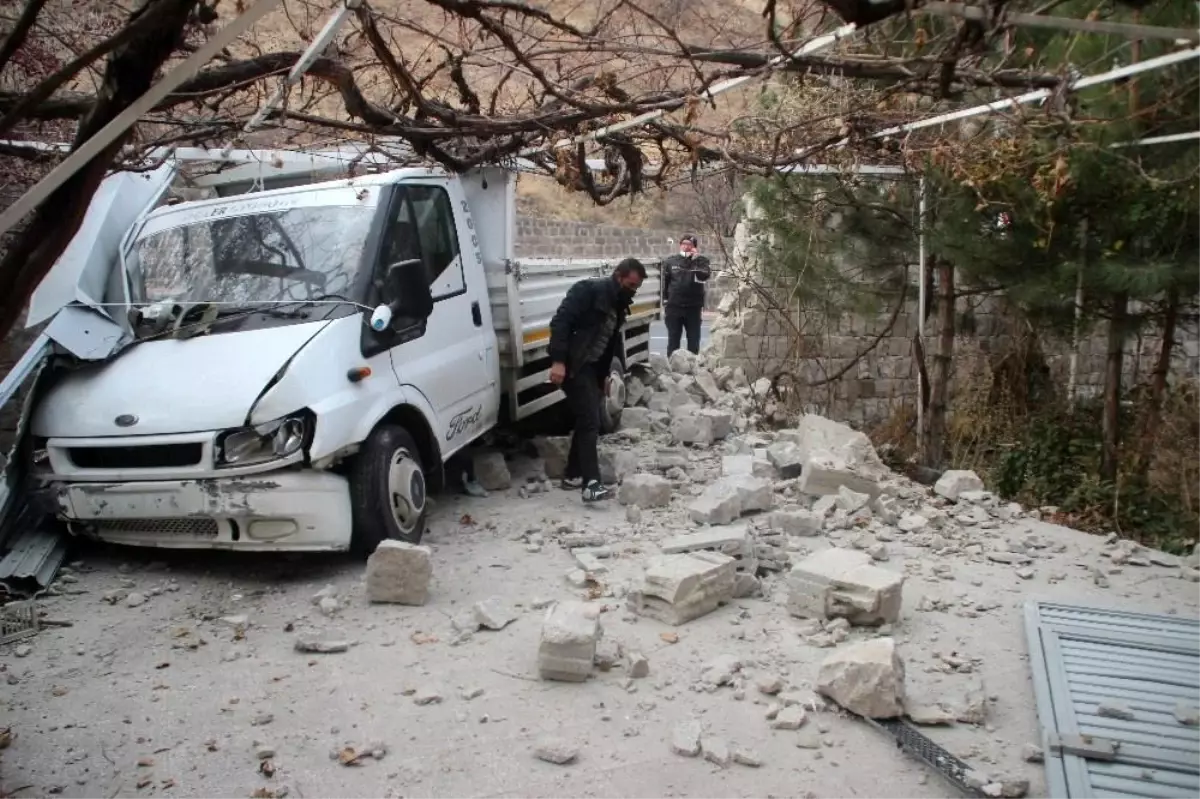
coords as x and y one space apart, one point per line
447 363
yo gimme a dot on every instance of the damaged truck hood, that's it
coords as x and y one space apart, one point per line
171 386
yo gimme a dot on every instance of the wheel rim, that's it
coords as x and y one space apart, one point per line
406 490
614 401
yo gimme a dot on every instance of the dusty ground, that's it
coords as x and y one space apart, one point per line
167 698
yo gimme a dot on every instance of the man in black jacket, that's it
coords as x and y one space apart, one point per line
684 276
583 342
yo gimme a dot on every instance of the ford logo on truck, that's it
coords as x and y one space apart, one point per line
463 422
126 420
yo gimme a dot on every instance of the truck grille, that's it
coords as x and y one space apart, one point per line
186 526
150 456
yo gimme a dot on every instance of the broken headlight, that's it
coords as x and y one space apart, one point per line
261 443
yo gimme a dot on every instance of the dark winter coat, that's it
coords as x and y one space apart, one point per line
579 321
683 281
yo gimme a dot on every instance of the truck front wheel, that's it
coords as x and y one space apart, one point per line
613 401
388 492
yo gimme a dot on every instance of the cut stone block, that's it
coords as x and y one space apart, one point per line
616 464
721 422
842 583
794 520
736 542
491 471
737 466
955 482
645 491
682 362
707 385
787 458
824 476
636 419
866 678
817 435
756 493
692 429
567 650
719 504
553 452
399 573
678 588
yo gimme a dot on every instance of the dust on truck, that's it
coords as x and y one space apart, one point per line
294 365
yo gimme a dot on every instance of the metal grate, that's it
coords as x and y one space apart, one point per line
196 527
18 620
913 742
150 456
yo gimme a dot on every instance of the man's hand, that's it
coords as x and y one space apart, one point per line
558 373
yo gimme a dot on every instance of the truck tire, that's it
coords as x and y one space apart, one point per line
388 495
613 402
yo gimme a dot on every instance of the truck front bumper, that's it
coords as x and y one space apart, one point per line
285 511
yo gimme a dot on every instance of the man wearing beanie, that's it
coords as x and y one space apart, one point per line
684 276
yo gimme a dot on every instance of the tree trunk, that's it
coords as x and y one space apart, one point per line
939 394
1158 381
130 73
1110 447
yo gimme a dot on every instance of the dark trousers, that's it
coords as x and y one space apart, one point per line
583 398
680 320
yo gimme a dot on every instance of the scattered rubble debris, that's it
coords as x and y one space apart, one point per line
843 583
399 573
866 678
676 589
567 650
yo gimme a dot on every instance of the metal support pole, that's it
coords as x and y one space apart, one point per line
306 60
922 255
129 117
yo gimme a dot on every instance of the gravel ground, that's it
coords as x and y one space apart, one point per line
188 683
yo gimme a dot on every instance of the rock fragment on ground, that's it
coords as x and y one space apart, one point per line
645 491
842 583
956 481
678 588
866 678
491 471
567 649
399 573
685 738
555 750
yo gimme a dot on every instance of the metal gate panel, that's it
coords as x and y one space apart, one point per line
1082 657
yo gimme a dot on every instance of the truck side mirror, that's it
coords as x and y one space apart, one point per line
405 294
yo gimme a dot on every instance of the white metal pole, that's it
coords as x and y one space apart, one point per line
921 300
1168 139
812 46
306 60
129 117
1041 94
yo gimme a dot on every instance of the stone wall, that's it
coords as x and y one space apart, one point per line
765 337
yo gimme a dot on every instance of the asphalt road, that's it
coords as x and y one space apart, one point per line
658 335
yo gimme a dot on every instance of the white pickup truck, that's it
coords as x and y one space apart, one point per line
288 368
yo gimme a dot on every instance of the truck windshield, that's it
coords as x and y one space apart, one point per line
290 255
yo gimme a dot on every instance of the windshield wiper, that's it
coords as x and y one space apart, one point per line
266 310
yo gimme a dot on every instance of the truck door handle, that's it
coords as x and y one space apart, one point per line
476 314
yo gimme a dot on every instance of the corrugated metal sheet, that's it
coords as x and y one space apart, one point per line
1082 657
34 560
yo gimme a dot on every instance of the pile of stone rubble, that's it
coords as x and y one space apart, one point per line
716 511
